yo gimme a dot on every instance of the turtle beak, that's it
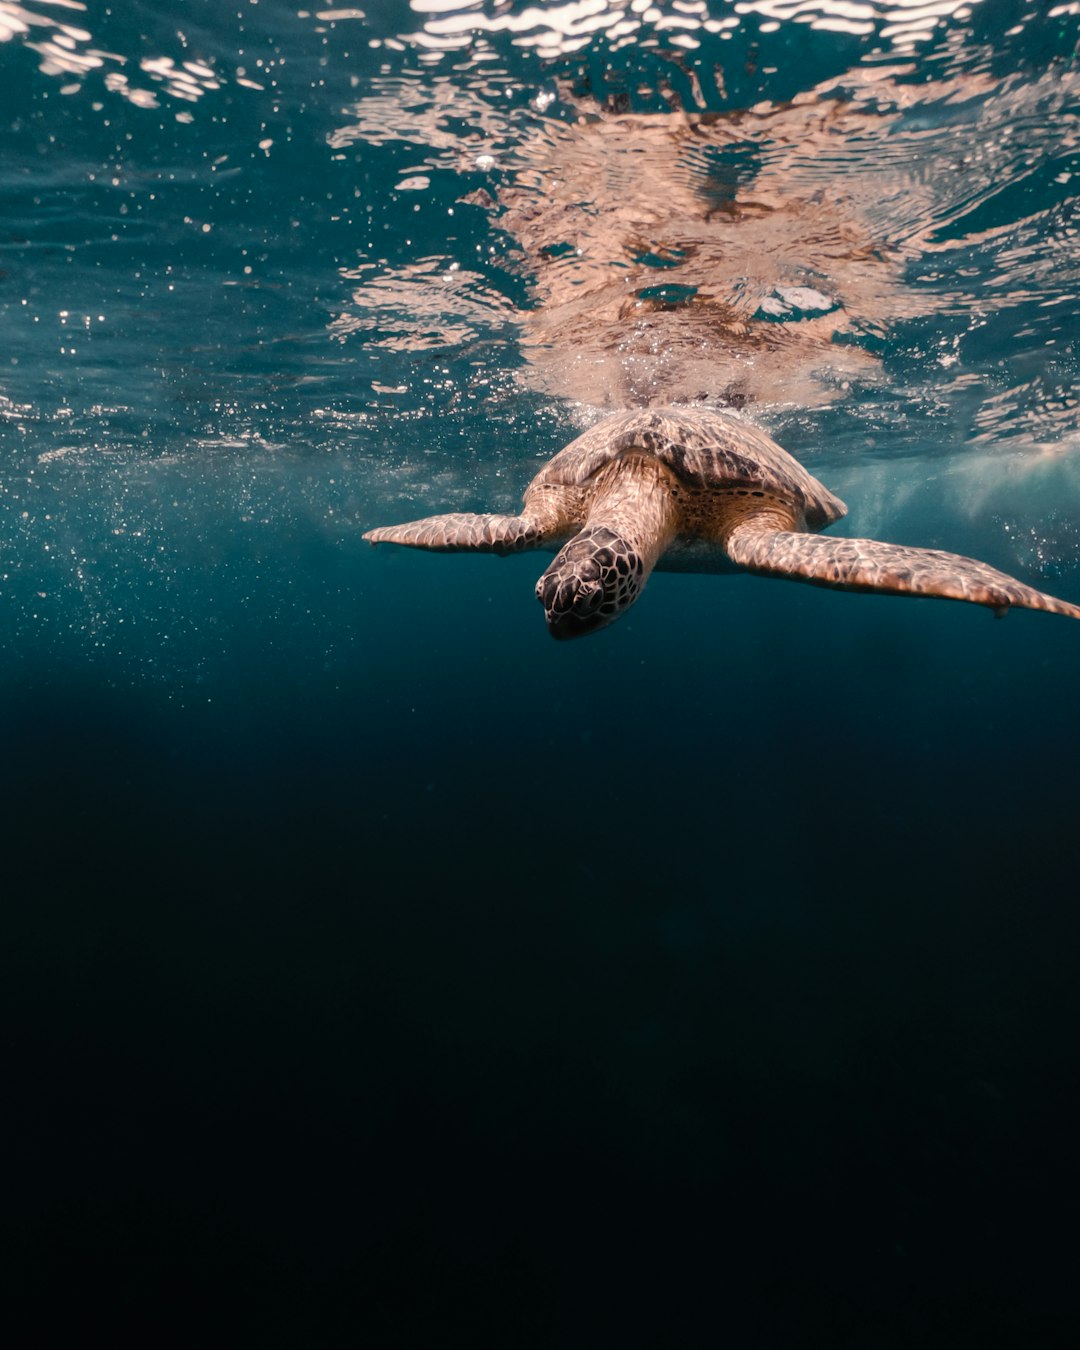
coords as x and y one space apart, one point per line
571 606
567 626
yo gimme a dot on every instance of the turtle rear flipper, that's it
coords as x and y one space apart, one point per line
463 533
890 569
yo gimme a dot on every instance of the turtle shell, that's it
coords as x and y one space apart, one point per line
704 448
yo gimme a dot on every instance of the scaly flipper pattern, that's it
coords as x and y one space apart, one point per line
890 569
463 533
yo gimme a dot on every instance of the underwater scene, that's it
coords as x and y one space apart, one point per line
377 971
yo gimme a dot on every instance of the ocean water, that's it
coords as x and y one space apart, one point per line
377 971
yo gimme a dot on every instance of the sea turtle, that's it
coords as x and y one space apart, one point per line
693 490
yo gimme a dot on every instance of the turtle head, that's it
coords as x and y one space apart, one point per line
593 579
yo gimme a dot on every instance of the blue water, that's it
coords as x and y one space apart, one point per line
377 971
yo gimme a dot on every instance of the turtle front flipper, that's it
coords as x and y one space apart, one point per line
463 533
890 569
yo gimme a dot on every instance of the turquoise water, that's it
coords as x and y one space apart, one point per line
377 971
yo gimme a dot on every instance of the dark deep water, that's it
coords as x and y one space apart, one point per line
378 972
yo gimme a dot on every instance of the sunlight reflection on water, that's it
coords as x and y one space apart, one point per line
561 29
